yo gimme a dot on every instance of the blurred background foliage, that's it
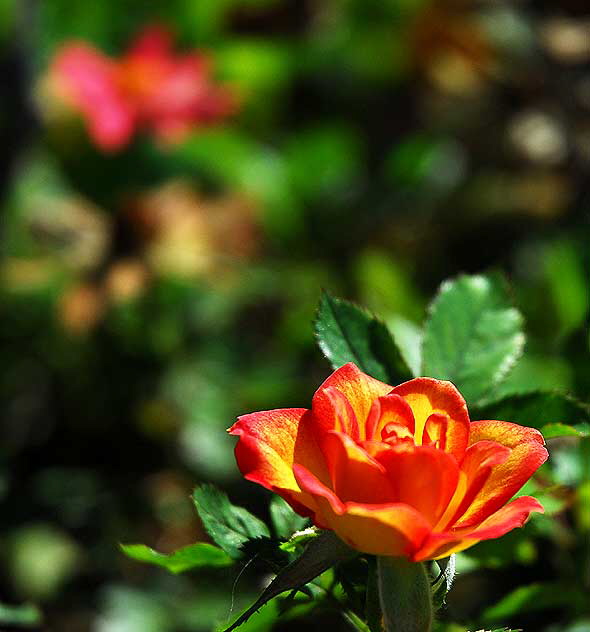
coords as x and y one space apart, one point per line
151 295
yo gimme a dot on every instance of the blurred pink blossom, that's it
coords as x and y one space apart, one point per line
150 87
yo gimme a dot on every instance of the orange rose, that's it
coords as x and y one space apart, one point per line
393 471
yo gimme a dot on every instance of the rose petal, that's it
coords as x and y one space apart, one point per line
426 396
527 455
384 529
343 416
270 442
153 41
356 476
475 470
111 127
509 517
359 389
88 79
423 477
391 409
435 430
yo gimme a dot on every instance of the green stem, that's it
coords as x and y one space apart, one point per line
404 594
373 607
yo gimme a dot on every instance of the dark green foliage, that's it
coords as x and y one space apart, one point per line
266 550
347 333
319 555
228 526
185 559
473 336
538 410
531 598
284 520
25 616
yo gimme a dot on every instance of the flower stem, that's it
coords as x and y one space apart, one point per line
373 612
404 594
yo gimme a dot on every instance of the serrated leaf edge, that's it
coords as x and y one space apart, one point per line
511 361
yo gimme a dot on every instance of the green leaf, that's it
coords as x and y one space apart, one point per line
320 554
473 336
533 373
284 520
187 558
531 598
347 333
408 337
229 526
355 621
538 410
553 431
262 621
24 615
267 549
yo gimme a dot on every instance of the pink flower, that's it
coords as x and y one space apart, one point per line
148 88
